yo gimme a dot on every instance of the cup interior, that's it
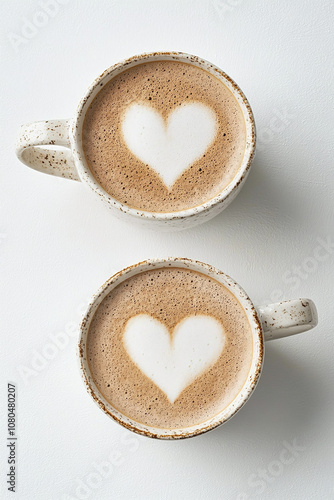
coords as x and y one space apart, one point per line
77 125
226 413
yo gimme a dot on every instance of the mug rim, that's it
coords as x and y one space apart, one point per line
224 196
233 407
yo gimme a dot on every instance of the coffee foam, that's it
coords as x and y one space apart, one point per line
169 298
165 88
172 362
169 147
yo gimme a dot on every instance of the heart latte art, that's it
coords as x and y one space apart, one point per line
170 146
173 362
164 136
169 347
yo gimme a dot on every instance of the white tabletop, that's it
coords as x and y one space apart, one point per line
58 244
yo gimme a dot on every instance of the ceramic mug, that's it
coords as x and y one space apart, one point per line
268 322
36 140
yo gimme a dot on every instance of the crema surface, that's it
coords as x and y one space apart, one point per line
190 324
164 136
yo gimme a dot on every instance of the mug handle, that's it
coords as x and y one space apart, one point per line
287 318
54 161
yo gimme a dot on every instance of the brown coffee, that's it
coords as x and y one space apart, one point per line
164 136
170 348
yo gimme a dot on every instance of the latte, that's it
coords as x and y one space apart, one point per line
170 347
164 136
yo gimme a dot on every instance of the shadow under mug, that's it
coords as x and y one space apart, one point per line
36 140
268 322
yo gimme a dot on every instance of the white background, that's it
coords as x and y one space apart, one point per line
58 244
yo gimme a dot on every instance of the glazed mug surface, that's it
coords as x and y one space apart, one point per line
267 323
36 141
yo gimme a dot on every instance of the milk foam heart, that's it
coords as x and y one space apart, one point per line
173 361
171 146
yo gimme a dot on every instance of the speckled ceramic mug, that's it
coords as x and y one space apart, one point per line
268 322
36 140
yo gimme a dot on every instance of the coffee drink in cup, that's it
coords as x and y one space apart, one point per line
164 136
169 347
